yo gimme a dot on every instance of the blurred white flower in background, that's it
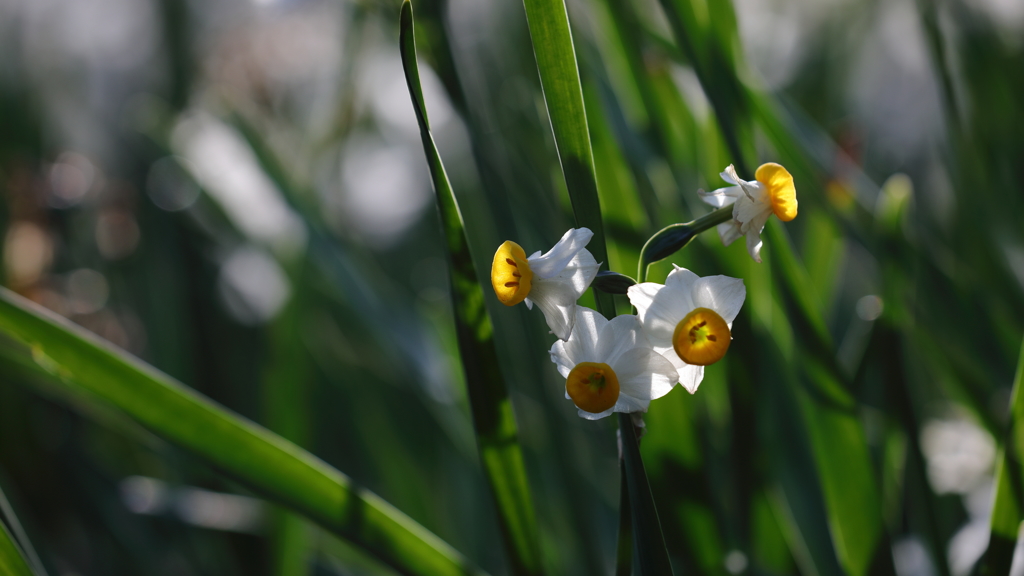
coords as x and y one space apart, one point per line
252 285
384 190
960 455
226 167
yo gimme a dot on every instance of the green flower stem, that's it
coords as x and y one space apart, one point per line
674 237
663 244
652 556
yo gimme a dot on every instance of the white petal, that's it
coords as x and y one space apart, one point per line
754 245
721 197
625 403
746 210
660 308
645 374
722 294
557 300
619 335
729 232
556 296
681 279
730 175
552 262
562 359
582 344
580 272
690 376
559 316
641 296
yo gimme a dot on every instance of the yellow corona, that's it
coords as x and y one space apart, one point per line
593 386
702 337
781 190
511 276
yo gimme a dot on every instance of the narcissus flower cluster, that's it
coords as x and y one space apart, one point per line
681 326
620 365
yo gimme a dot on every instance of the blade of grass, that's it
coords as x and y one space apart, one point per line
648 540
11 560
563 93
705 36
286 381
1008 507
831 419
17 556
493 419
86 366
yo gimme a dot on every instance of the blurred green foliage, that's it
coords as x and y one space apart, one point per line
235 192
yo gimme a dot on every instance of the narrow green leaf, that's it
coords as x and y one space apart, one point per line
16 533
286 382
496 431
563 93
1008 508
12 563
706 31
88 367
831 419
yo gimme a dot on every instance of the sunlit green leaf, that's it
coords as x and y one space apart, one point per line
1008 509
563 93
11 560
831 419
497 434
268 464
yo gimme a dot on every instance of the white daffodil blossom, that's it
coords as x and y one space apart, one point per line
771 192
554 281
609 366
689 319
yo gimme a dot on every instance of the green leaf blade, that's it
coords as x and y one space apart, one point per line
1008 508
11 560
85 366
831 420
563 94
493 419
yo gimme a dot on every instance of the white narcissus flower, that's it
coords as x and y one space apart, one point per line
609 366
689 319
554 281
771 192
